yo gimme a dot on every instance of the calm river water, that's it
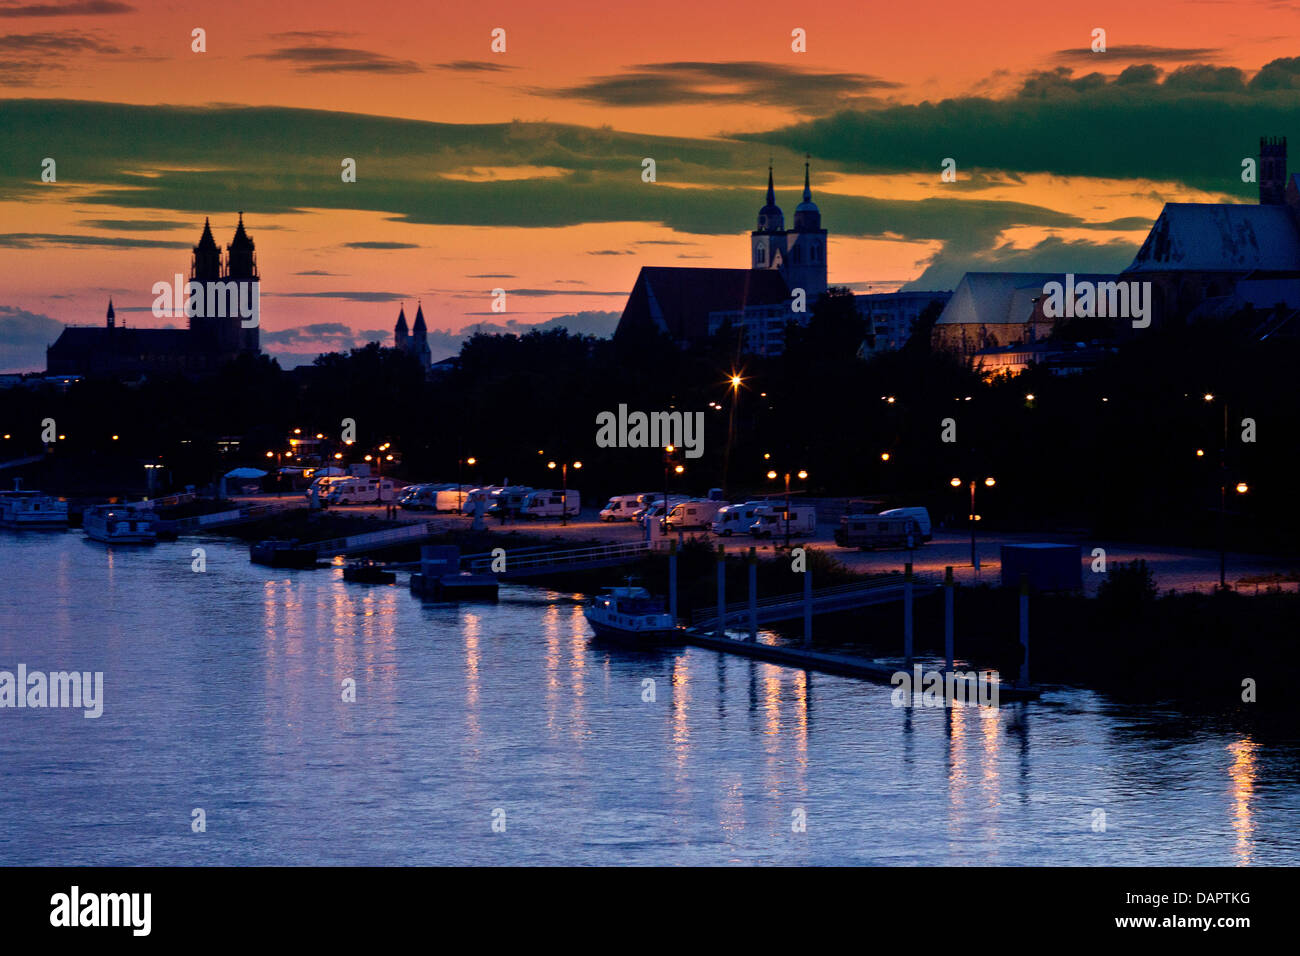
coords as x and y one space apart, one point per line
223 692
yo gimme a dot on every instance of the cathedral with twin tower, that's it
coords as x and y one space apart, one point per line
786 274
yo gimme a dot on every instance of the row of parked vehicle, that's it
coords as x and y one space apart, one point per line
680 513
516 501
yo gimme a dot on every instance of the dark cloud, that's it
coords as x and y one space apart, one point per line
476 66
609 252
750 82
23 338
315 58
137 225
380 245
1138 51
491 275
1193 126
34 240
350 296
77 8
25 57
945 269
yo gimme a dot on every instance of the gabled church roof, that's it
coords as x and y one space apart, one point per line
678 300
1220 237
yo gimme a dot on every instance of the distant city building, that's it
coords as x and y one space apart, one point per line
788 266
416 340
208 343
891 317
1204 261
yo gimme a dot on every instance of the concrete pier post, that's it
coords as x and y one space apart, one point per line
947 618
721 630
1023 679
907 614
807 607
753 595
672 581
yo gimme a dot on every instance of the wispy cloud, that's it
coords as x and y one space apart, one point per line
318 58
750 82
77 8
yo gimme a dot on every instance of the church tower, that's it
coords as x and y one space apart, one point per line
112 317
420 339
1272 170
241 268
805 266
401 337
205 268
768 241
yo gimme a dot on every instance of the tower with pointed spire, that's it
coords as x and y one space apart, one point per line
401 335
112 317
805 266
768 241
420 339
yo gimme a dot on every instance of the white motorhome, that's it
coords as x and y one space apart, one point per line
622 507
735 519
355 491
450 499
322 485
770 520
696 513
551 504
509 500
920 515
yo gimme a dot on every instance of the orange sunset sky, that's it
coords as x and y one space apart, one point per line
522 169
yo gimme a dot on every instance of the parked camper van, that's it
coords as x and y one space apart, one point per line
696 513
868 532
920 515
355 491
510 500
735 519
322 485
654 511
422 497
551 504
450 499
622 507
770 520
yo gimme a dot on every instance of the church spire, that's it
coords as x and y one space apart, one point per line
112 318
771 191
807 190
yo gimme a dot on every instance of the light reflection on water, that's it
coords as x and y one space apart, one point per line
224 690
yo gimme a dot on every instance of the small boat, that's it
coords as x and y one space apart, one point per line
31 509
368 572
113 524
630 615
462 586
276 553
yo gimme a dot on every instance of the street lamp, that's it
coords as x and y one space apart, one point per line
460 464
973 517
802 476
564 477
734 384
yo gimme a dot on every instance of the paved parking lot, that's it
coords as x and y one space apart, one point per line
1176 568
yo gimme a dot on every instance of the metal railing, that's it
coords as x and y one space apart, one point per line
373 539
524 559
709 615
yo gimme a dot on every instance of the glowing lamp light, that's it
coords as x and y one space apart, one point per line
803 475
990 482
577 464
550 464
1242 487
679 469
956 482
771 474
884 456
471 461
1200 453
